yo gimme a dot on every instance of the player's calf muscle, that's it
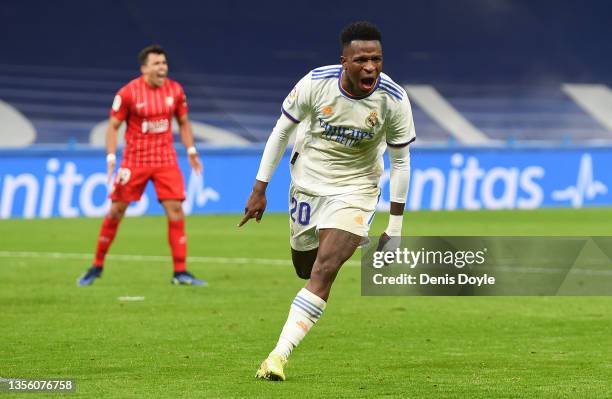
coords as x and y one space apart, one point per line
337 246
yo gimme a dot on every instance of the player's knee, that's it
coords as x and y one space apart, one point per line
175 216
174 210
117 212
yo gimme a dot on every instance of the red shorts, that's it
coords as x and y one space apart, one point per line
131 182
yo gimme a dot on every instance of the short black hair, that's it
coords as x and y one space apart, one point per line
360 30
144 53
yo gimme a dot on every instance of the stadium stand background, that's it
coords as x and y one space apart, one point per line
511 99
500 64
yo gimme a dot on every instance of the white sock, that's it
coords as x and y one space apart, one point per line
305 310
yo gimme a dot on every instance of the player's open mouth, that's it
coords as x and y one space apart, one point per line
367 83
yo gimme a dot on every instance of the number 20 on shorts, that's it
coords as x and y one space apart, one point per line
303 212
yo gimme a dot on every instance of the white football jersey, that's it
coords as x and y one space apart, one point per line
341 138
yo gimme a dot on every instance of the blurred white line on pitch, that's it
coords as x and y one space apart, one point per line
131 298
277 262
152 258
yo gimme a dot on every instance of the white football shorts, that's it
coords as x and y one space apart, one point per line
308 214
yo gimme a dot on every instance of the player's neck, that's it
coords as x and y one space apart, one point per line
150 83
347 86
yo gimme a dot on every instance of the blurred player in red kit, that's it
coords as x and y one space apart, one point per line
147 104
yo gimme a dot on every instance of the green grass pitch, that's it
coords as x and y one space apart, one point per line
208 342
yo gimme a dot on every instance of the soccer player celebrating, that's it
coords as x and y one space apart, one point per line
345 116
147 104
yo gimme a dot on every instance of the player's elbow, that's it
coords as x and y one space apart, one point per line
114 123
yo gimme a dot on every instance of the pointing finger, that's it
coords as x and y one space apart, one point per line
245 219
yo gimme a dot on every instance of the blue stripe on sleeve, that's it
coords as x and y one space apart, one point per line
328 69
393 84
400 145
288 115
319 77
391 92
391 88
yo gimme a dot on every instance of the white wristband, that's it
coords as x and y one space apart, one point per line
110 158
394 229
192 150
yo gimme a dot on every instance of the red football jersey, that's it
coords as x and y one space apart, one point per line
148 111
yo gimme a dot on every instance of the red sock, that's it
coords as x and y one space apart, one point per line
178 243
105 239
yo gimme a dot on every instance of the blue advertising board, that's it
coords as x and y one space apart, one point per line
39 184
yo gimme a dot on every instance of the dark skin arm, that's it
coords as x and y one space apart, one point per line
256 204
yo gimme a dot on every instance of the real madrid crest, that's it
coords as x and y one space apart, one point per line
372 120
